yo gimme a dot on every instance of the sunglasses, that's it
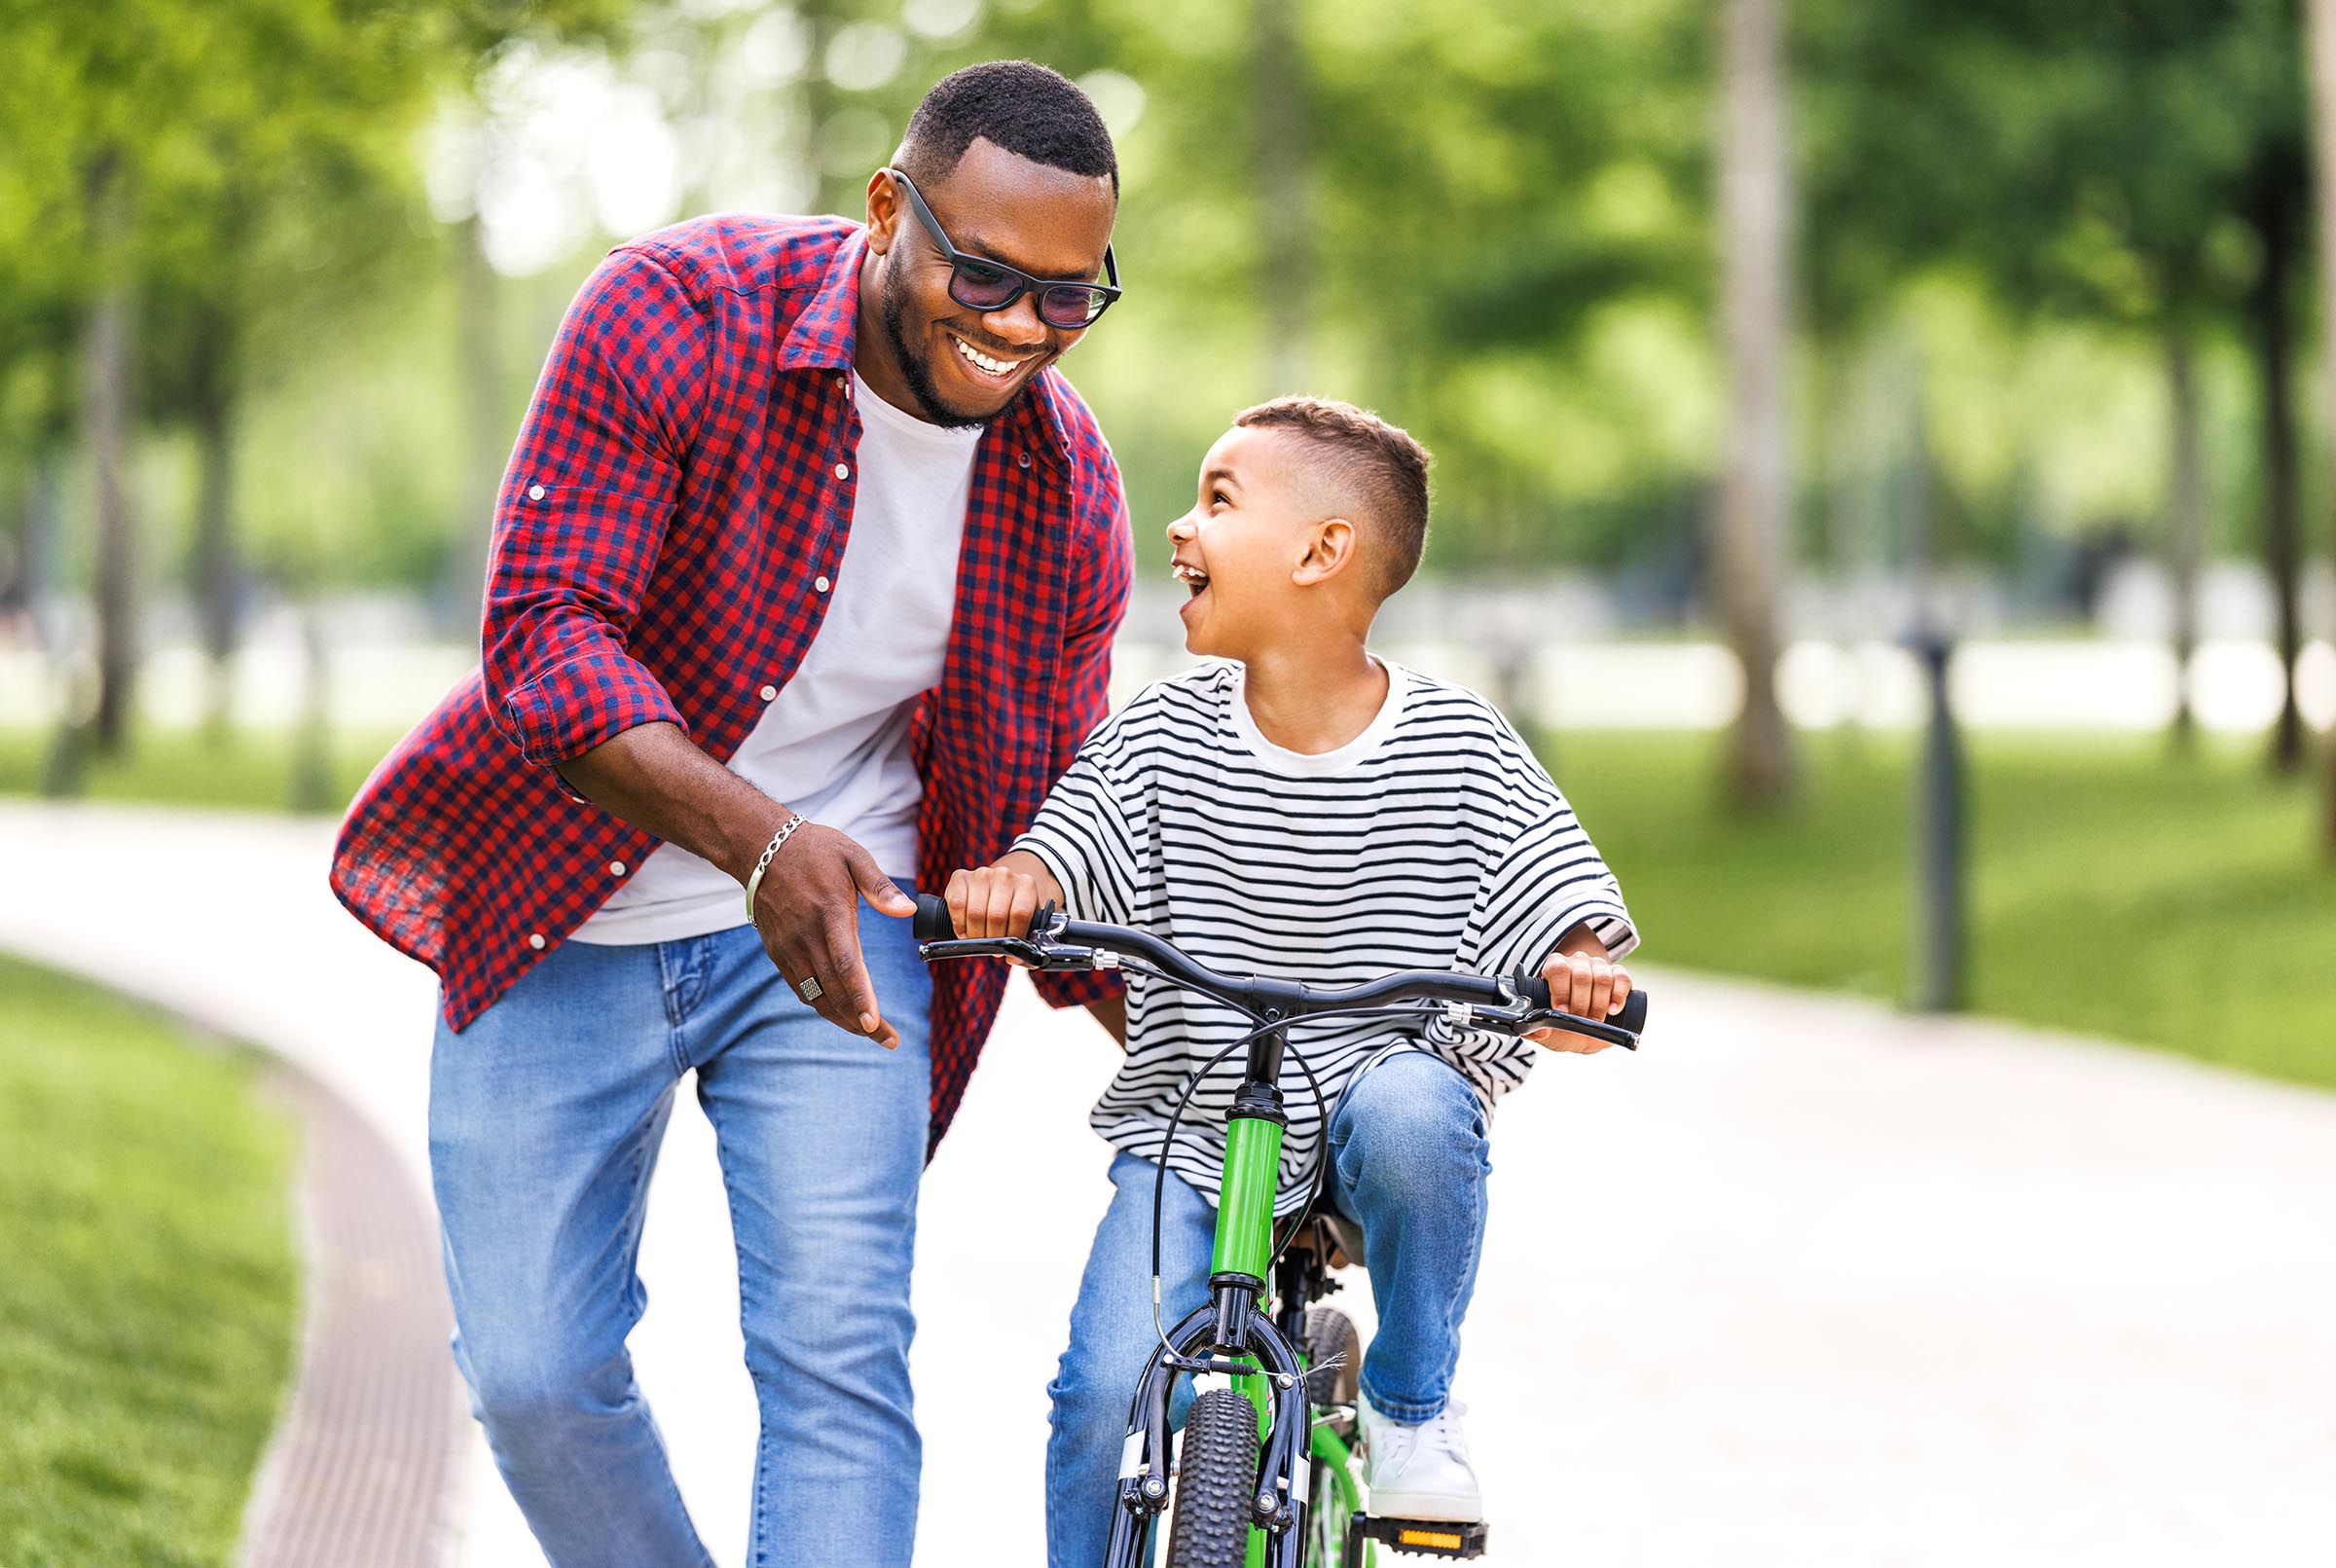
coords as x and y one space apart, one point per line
981 284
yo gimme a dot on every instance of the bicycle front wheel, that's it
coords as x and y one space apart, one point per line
1213 1479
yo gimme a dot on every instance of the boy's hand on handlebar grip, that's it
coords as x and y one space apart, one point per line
1588 984
999 900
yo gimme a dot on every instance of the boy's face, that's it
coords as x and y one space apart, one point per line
1238 548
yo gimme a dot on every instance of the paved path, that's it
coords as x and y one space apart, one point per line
1803 1283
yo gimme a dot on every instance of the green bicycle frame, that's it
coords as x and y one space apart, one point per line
1244 1245
1253 1157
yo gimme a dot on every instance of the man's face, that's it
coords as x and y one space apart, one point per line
964 366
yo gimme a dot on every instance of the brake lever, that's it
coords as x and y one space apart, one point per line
1526 1020
1038 955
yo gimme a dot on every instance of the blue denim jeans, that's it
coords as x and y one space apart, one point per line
545 1117
1409 1162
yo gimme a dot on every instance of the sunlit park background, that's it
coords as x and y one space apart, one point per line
1776 354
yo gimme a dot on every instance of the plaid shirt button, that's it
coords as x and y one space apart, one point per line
1021 459
535 940
770 694
843 470
820 583
535 492
616 869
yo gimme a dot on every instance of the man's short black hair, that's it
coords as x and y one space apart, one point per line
1022 106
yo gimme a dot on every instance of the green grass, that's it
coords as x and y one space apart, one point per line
2179 904
251 769
148 1299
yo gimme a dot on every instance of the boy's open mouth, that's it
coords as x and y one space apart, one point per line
1195 580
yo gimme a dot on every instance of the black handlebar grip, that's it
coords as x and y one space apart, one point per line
932 922
1632 1017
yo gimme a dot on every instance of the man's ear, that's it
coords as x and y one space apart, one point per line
883 211
1330 546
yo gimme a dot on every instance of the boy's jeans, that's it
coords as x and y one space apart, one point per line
545 1117
1409 1164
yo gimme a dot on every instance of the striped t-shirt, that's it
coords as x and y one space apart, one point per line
1431 841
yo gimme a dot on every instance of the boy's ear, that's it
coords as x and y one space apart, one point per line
1330 546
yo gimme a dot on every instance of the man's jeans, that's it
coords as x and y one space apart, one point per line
1410 1163
545 1117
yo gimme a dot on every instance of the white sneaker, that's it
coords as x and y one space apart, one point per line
1419 1472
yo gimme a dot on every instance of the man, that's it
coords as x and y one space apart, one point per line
805 575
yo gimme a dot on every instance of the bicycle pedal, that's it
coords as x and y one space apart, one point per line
1422 1538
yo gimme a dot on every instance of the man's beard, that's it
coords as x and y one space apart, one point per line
913 370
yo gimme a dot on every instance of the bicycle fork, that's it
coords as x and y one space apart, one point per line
1232 1334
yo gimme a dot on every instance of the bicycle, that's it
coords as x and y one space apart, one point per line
1286 1496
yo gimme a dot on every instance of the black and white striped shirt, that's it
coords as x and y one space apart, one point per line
1433 841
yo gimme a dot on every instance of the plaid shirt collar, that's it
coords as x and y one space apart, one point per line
825 338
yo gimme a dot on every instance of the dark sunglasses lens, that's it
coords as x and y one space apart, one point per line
983 288
1071 305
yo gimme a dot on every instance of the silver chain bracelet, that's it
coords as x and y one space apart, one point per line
754 878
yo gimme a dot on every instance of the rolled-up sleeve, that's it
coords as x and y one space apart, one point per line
583 510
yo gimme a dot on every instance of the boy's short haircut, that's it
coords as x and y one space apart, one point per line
1381 463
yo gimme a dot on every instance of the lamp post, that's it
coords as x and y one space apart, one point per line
1940 956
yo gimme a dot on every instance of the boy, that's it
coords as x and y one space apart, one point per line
1315 812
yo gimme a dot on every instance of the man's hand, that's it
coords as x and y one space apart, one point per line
1000 900
806 909
807 913
1585 982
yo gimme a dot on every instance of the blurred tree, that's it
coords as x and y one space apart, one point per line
2274 203
1756 486
477 35
293 210
2112 163
82 138
1284 233
2322 39
1487 217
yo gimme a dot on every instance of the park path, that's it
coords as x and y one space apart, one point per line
1804 1282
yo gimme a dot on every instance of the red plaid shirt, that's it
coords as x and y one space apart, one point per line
679 495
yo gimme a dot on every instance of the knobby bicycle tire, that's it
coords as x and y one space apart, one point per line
1214 1480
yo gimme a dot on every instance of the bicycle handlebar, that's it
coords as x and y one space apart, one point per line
1056 942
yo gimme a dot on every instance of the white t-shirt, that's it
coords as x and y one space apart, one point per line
1431 841
833 745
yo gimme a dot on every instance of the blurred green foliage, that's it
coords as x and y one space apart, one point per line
1502 235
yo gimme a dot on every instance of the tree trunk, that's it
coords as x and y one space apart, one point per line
485 442
2273 216
2321 21
1278 83
36 559
2186 520
1755 488
105 392
218 579
312 784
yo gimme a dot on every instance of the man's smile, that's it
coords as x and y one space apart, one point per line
993 370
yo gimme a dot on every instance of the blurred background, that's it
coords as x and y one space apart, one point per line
1881 445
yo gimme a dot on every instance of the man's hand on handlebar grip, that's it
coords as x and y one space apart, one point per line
999 900
1585 982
